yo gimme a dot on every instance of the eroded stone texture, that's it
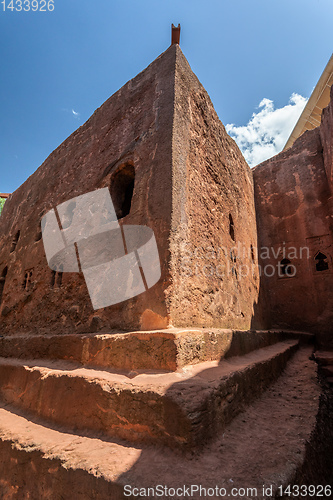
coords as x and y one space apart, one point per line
294 212
192 187
133 127
213 218
185 408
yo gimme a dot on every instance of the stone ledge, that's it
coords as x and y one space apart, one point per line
169 349
264 445
181 409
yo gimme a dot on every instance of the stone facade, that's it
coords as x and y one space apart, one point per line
293 194
90 403
160 134
160 149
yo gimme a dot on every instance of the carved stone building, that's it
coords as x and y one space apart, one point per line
294 206
163 388
160 148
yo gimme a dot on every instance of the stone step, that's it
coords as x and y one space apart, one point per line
181 409
328 370
265 445
155 350
324 357
304 337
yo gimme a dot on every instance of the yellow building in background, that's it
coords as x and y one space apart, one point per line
320 97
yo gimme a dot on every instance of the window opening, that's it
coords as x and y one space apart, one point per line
231 227
284 267
321 262
121 188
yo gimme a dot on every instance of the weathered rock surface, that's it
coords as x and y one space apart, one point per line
192 187
266 444
215 274
154 350
181 395
181 409
293 194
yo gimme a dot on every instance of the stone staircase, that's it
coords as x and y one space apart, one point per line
82 416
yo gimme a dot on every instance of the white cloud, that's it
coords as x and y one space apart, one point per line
72 111
268 129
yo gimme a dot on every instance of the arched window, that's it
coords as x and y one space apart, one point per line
252 253
231 227
321 262
56 277
285 267
121 188
39 235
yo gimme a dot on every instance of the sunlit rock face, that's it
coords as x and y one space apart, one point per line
293 195
159 148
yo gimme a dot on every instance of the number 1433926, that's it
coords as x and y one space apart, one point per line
27 5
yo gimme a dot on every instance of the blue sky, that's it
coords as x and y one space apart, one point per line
58 67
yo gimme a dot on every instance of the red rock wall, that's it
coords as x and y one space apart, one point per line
294 210
192 187
134 126
214 284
